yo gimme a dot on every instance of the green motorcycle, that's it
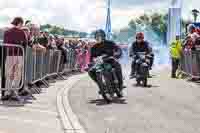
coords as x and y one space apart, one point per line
107 79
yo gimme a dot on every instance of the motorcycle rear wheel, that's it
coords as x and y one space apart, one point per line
138 81
107 97
145 82
119 93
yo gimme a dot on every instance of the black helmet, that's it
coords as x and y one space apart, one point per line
100 33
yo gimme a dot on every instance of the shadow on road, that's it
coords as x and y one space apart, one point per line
11 103
101 102
148 86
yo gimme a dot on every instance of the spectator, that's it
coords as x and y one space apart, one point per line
175 51
27 33
28 23
43 39
16 35
62 48
35 35
51 43
197 44
188 43
13 61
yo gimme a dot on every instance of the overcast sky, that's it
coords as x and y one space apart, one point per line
84 15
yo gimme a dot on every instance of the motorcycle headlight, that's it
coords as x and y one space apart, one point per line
147 60
137 61
144 64
143 57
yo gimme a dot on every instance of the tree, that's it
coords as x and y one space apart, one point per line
83 34
145 19
159 24
46 26
132 24
57 30
138 21
195 14
156 19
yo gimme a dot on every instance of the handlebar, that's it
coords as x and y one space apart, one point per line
142 55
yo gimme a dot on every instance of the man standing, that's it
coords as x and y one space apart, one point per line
12 56
175 52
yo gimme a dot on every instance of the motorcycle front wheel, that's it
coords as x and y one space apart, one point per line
104 87
116 86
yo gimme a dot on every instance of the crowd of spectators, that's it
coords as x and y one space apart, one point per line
28 34
185 54
192 40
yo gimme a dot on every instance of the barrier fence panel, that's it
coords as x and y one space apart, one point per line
54 62
195 67
73 59
40 65
70 63
198 62
12 66
29 66
190 63
19 69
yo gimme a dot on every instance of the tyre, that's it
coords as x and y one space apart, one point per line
115 85
104 88
138 81
119 93
145 82
107 97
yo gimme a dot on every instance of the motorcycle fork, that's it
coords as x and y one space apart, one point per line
101 85
115 81
109 80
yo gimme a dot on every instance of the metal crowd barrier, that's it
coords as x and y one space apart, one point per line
190 63
41 65
23 67
71 64
12 66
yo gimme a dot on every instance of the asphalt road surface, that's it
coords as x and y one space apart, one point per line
169 106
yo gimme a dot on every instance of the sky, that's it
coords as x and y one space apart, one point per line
84 15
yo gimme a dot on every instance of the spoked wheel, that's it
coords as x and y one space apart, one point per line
105 88
138 81
107 97
145 82
115 84
119 93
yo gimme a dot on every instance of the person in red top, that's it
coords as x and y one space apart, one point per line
13 58
16 35
198 31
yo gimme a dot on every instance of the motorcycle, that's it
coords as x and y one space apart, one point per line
143 64
107 79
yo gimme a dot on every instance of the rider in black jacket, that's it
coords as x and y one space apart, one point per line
140 45
108 48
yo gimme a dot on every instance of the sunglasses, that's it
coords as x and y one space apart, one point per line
139 38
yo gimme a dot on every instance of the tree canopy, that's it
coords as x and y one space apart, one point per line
62 31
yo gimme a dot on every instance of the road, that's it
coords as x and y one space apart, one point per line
169 106
36 116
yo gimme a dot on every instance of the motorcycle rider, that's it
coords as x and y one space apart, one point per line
109 48
140 45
